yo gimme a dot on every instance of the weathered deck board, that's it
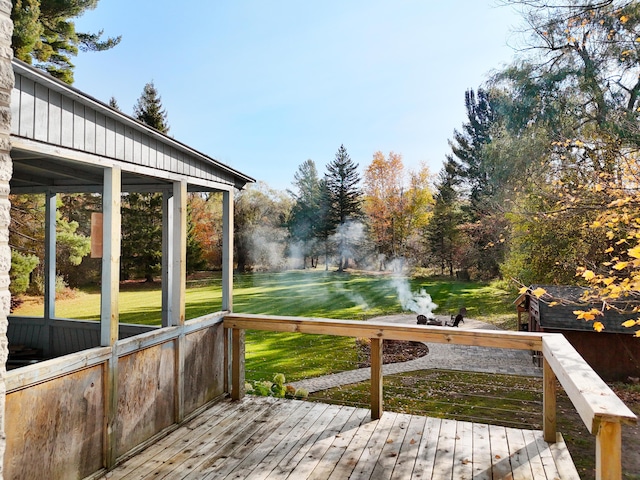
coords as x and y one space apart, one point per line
261 438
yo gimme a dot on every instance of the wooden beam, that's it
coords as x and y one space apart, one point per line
179 253
549 387
167 257
377 347
110 257
609 451
594 401
51 209
352 328
227 250
237 364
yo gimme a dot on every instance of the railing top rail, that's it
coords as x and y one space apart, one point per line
592 397
355 328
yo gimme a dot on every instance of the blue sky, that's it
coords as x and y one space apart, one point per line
264 86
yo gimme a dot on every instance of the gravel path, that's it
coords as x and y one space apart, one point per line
441 356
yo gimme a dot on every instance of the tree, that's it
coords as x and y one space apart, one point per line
260 234
303 222
44 33
398 206
148 109
345 197
141 244
442 233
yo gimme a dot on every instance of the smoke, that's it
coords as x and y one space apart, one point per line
356 298
420 302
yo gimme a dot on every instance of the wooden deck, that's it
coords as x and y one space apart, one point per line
265 438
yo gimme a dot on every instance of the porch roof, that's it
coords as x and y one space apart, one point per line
62 139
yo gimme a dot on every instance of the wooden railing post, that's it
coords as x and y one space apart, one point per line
548 402
376 378
237 364
609 451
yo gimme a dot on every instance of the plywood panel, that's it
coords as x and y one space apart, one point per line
146 395
78 126
204 367
37 418
66 138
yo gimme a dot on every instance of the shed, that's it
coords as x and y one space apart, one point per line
613 353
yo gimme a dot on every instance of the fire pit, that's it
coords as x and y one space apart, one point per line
424 320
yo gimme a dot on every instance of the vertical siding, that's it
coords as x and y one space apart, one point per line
46 115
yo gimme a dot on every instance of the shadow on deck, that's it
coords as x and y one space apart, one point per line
263 437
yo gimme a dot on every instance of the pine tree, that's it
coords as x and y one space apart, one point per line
44 33
142 212
149 110
345 197
303 222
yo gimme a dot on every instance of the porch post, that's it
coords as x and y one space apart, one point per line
549 394
110 257
178 249
167 256
377 347
51 209
109 304
227 250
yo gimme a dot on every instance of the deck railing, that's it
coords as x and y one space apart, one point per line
602 412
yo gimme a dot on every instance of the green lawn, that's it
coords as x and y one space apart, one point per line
292 293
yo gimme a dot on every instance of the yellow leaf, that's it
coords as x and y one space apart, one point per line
553 304
624 19
609 250
538 292
588 275
620 265
629 323
523 290
637 333
634 252
598 326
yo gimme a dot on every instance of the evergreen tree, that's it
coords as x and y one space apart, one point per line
345 197
113 103
141 243
443 233
303 222
148 109
44 33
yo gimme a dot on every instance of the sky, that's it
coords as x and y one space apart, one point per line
264 86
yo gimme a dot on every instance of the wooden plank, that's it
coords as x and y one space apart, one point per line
41 120
299 452
227 251
356 446
251 454
546 457
27 107
322 444
463 456
535 462
161 450
352 328
213 440
443 464
500 464
242 445
237 364
311 412
595 402
376 443
481 452
340 445
566 468
518 454
427 449
410 447
385 465
55 117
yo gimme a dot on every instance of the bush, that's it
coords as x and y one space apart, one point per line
277 388
21 268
